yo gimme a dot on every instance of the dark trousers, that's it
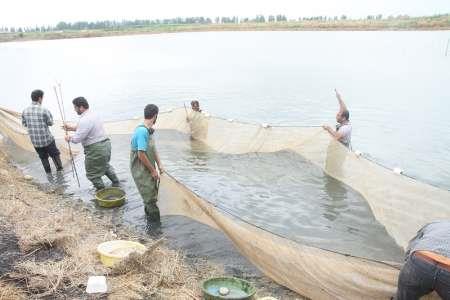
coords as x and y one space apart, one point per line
53 152
419 277
49 150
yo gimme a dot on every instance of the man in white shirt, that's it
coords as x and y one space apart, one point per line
97 146
343 132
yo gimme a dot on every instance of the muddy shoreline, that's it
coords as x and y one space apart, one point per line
48 240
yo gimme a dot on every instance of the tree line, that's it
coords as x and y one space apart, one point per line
124 24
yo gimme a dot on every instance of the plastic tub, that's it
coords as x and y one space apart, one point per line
238 289
110 197
112 252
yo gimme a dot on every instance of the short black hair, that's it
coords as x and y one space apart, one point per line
80 102
346 114
36 94
150 111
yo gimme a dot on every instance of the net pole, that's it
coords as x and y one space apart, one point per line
62 103
74 168
446 49
185 109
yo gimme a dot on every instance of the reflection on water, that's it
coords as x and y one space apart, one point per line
280 192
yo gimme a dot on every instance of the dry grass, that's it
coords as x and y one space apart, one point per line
163 271
9 291
46 222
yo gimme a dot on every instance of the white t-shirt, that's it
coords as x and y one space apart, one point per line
346 131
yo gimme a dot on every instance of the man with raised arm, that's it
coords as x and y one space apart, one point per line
343 132
97 146
143 161
37 119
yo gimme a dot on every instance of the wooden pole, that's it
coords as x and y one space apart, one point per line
74 168
446 49
62 103
185 110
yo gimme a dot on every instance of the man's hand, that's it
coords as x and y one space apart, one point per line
67 138
155 174
161 170
68 127
326 127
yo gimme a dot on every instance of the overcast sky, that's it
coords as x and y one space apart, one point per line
50 12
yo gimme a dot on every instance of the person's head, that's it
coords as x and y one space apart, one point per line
80 105
37 96
343 116
195 105
151 113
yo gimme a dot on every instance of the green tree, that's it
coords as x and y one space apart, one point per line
281 18
62 26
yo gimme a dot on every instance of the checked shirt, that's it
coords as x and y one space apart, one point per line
37 119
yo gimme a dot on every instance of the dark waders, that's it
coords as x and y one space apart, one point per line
97 157
146 184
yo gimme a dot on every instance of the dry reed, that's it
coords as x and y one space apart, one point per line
47 222
9 291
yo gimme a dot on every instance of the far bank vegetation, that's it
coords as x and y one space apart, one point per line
193 24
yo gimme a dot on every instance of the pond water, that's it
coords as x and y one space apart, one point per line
394 83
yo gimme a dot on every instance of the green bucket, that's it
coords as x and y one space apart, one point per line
110 197
229 288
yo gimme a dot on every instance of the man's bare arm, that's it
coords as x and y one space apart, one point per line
158 162
69 127
143 158
336 134
342 106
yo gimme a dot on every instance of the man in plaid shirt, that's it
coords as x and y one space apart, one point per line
37 120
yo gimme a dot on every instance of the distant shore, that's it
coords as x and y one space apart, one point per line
407 24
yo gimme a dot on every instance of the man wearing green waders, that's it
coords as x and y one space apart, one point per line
97 147
143 161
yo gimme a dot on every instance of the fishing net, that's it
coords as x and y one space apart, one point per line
400 204
11 127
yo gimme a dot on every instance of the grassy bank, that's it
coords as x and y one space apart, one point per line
51 241
48 244
419 23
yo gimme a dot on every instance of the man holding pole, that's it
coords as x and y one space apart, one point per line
37 120
143 161
97 147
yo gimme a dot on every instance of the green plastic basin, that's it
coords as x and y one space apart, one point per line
239 289
110 197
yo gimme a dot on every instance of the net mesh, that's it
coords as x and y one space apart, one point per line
401 204
11 127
